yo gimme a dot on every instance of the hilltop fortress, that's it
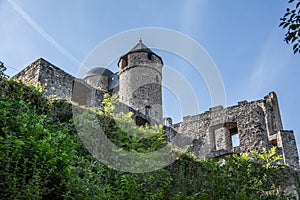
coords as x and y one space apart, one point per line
220 131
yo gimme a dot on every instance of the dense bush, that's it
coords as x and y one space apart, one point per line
42 157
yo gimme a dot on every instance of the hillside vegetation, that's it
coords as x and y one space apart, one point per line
43 157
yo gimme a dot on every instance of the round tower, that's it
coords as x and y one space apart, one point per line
98 77
140 76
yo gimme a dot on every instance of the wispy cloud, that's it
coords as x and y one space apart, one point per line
190 15
36 27
269 66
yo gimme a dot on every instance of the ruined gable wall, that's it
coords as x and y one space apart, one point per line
58 82
30 74
212 130
257 123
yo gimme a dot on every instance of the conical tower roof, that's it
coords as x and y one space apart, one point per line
140 47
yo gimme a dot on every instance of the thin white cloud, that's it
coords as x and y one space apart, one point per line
36 27
269 66
190 15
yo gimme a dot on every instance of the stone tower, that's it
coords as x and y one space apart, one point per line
140 76
98 77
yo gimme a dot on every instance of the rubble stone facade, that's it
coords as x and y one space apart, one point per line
140 73
60 84
255 124
220 131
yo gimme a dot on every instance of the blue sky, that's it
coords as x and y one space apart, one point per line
242 38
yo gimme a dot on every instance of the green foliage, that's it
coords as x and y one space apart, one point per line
234 177
42 157
291 22
2 71
120 128
35 155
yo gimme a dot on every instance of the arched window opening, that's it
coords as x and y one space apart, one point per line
168 121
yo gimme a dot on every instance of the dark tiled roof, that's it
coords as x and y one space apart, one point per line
98 71
140 47
113 81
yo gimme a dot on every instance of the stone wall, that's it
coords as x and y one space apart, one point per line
57 81
54 80
257 124
30 74
139 117
84 94
286 140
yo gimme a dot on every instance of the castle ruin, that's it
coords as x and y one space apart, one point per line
220 131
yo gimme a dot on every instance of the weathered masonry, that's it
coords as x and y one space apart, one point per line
215 133
242 128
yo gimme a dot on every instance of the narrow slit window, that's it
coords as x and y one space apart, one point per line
148 110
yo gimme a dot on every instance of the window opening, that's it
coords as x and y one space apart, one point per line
235 140
148 110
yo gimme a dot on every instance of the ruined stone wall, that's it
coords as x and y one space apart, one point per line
257 124
286 141
270 107
58 82
30 74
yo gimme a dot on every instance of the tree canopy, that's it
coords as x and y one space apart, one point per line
291 22
2 71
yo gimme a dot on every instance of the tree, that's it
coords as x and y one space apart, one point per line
2 70
291 22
